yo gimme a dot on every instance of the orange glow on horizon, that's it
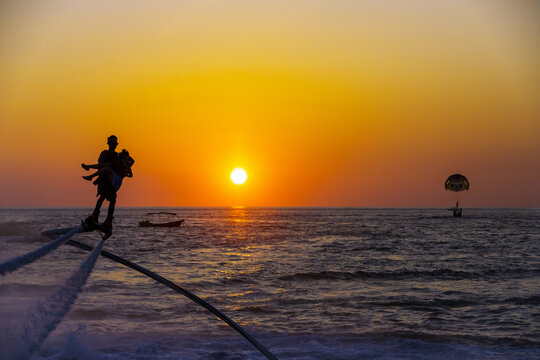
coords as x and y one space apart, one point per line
335 104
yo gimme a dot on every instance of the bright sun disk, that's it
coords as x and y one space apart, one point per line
238 176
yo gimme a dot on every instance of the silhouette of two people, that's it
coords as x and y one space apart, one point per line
112 168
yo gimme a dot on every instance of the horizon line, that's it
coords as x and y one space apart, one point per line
266 207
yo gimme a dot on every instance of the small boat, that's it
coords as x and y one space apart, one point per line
147 223
456 211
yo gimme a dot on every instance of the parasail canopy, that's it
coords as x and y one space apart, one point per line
456 182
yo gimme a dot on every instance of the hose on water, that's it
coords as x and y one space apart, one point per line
182 291
22 260
46 315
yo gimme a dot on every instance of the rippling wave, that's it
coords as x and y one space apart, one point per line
439 274
308 283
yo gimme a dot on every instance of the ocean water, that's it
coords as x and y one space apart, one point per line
308 283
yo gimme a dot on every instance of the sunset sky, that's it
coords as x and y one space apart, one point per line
323 103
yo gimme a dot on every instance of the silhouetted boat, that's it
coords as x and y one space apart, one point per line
147 223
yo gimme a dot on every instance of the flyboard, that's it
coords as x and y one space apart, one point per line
86 226
160 279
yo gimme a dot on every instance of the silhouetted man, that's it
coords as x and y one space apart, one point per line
105 190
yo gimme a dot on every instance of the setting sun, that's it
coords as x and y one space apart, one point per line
238 176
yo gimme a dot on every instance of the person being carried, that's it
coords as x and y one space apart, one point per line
114 172
112 168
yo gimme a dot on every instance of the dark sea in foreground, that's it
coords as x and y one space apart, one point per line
308 283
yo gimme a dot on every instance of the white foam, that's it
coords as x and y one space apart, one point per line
285 347
28 258
21 341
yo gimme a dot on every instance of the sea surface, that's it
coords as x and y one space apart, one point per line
308 283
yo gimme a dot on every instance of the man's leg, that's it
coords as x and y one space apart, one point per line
106 227
110 211
92 220
95 214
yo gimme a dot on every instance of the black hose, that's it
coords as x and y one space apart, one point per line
22 260
184 292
